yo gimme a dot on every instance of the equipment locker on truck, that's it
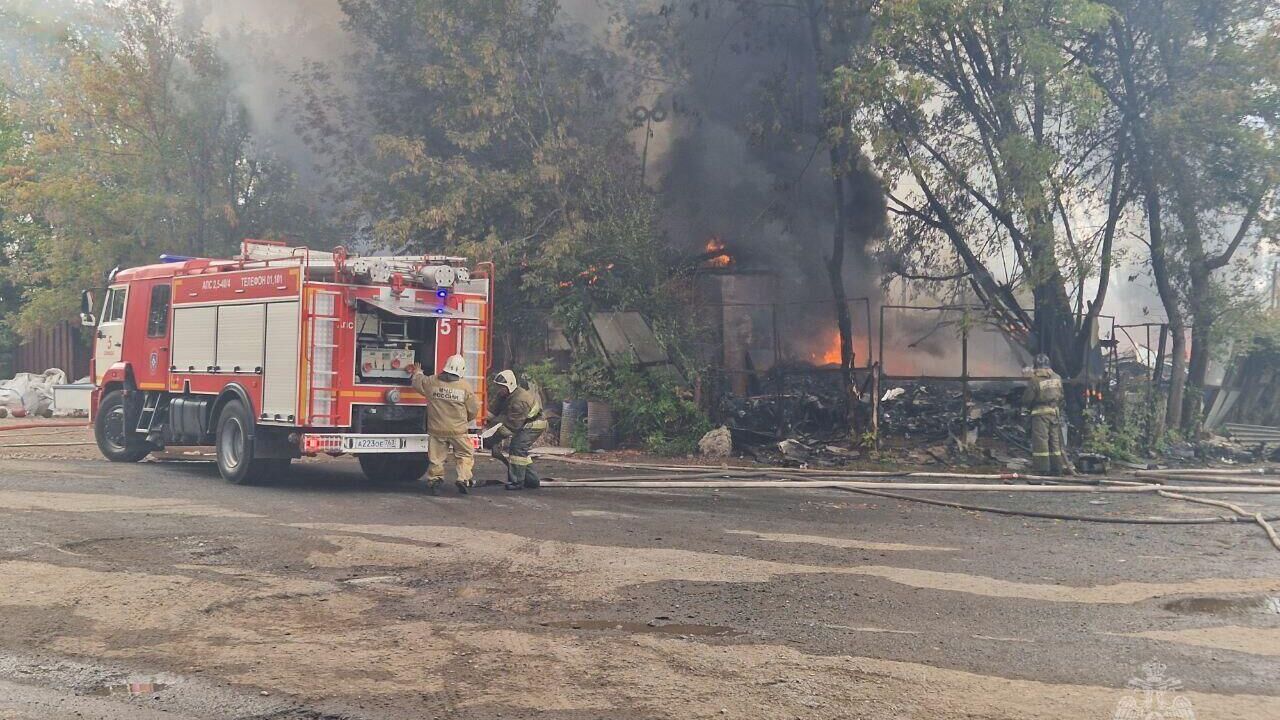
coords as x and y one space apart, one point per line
282 352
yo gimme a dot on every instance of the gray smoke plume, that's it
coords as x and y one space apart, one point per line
721 173
739 157
724 172
266 44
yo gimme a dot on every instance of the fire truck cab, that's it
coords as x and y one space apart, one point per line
283 352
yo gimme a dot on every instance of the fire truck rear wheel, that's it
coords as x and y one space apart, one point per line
393 468
111 430
235 448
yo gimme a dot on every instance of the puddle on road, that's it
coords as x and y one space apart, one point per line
1246 605
129 689
645 628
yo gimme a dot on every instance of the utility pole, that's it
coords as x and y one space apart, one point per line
646 117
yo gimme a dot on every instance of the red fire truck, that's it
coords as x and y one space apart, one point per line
283 352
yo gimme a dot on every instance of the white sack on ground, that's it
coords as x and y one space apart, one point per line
29 393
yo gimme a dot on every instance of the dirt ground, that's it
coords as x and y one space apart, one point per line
156 590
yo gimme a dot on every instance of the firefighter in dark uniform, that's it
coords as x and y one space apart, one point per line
518 414
1043 396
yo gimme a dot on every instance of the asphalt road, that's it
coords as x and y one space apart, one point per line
158 591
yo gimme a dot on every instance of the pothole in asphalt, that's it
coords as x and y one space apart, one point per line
1240 605
129 689
651 628
200 549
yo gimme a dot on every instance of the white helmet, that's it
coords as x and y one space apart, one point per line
506 379
456 365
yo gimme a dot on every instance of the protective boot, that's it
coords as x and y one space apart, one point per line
516 476
531 478
433 485
463 487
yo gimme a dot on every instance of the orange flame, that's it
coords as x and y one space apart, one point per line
829 354
590 276
721 258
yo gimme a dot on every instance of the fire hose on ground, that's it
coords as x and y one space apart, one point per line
50 424
1234 481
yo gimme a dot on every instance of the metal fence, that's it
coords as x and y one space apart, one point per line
966 344
772 354
1143 337
957 343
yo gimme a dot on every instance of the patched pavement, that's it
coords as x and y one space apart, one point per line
158 590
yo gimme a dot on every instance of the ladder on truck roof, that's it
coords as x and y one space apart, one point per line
322 260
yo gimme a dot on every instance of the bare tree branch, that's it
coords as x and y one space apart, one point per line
1246 223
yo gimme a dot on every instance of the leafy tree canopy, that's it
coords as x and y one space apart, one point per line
131 150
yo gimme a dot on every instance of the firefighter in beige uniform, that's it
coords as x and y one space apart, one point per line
451 408
1043 395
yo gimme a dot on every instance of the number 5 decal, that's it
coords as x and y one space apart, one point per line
446 326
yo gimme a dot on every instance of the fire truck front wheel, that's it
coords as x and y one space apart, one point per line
234 445
111 428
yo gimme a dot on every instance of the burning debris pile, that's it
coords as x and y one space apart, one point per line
804 422
808 405
926 423
925 412
775 348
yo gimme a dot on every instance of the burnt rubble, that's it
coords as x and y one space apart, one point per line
803 421
792 403
933 412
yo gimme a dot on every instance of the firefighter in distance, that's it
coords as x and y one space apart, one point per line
451 408
517 414
1044 395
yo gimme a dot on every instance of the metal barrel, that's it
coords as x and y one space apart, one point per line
571 412
599 425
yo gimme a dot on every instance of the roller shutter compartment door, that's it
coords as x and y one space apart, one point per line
241 337
280 376
195 333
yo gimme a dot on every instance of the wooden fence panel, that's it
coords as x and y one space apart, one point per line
59 347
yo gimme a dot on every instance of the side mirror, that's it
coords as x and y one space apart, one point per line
86 303
88 320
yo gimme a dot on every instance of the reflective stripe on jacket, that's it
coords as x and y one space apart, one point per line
518 410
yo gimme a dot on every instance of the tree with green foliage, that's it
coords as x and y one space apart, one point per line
991 144
469 130
133 149
489 130
608 260
10 283
1196 84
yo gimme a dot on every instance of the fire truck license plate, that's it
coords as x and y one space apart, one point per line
374 443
